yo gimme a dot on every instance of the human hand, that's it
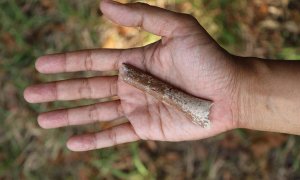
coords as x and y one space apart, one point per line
186 57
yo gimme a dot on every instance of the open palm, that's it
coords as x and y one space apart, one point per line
186 57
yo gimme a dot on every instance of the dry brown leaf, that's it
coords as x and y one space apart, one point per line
230 141
263 144
109 42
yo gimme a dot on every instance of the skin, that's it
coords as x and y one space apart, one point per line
186 57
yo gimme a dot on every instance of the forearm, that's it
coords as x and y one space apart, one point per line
269 96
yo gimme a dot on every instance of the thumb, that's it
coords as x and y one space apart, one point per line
153 19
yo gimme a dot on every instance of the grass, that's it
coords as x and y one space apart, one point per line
31 28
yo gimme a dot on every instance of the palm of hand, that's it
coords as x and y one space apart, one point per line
185 57
184 66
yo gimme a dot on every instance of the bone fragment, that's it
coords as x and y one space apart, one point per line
195 109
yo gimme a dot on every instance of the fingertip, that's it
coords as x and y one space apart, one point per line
74 144
53 119
105 6
38 64
40 93
45 64
42 121
28 95
81 143
53 63
71 145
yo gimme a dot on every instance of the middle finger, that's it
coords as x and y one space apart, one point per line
105 111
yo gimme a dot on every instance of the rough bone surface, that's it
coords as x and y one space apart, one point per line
196 109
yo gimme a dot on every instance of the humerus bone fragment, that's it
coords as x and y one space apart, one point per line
196 109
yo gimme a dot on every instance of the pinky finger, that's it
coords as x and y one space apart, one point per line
120 134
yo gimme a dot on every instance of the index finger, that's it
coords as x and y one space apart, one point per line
87 60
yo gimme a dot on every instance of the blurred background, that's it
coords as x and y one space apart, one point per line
30 28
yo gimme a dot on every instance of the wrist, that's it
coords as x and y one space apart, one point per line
251 96
268 98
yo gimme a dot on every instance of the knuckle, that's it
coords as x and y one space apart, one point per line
67 117
113 88
118 60
85 90
143 135
93 112
93 141
112 135
183 24
189 19
119 110
55 90
88 61
66 61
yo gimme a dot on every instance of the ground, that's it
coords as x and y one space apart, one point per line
30 28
